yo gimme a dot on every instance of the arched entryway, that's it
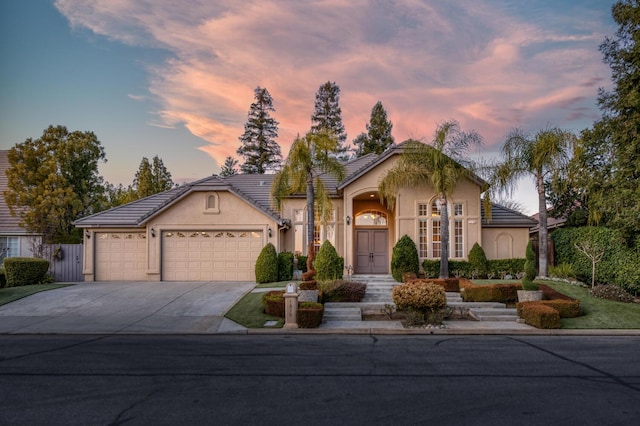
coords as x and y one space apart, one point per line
371 242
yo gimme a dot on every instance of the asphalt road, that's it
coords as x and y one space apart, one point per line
319 379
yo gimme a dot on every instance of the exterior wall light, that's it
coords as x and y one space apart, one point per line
153 232
348 220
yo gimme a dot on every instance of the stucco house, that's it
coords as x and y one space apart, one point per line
14 240
215 228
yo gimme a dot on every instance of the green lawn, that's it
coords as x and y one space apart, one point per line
11 294
598 313
248 312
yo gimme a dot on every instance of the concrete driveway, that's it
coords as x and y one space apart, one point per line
127 308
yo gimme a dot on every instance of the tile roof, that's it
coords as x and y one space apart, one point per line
503 217
256 190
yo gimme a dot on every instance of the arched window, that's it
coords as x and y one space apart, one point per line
212 203
371 218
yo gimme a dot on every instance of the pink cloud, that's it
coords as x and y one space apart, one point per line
426 61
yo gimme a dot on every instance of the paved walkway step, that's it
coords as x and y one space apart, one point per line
488 314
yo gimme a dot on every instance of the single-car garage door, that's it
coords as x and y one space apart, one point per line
210 255
121 256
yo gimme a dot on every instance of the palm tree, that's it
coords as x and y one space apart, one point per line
538 157
309 157
440 166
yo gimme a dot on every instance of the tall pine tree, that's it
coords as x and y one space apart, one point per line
151 177
327 116
259 148
229 167
378 137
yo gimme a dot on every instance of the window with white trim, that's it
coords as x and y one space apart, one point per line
321 232
429 225
9 247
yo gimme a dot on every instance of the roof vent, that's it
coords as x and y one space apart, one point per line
261 183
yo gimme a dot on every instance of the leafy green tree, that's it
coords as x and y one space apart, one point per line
54 180
117 195
478 260
378 139
266 269
328 263
611 150
440 166
229 167
327 116
540 158
259 148
309 157
529 270
151 178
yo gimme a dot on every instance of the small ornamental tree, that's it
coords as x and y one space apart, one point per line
267 265
328 263
404 258
478 260
529 270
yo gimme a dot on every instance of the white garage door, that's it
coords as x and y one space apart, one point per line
210 255
121 256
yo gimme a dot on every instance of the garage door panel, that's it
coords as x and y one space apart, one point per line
120 256
210 255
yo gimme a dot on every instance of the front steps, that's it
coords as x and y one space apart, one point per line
378 295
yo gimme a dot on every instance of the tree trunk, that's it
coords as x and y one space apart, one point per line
444 238
310 210
543 232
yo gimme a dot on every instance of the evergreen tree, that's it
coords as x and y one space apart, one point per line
260 150
151 178
378 138
327 116
229 167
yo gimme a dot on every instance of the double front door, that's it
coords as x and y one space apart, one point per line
372 254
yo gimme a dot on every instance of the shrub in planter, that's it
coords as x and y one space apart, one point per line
404 258
273 303
449 284
478 260
529 270
310 314
419 296
21 271
328 264
549 293
285 266
267 265
503 293
343 291
565 308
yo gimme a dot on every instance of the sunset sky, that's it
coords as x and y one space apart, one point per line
176 78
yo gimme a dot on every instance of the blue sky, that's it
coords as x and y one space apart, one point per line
176 79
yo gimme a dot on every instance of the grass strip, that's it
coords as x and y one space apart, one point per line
248 312
11 294
597 313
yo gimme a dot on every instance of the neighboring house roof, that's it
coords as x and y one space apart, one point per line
255 189
552 222
503 217
9 224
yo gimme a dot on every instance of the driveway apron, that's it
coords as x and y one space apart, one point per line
125 307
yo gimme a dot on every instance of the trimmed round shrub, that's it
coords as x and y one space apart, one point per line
21 271
329 265
422 297
404 258
529 269
478 260
267 265
285 266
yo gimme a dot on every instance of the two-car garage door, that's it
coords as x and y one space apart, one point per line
210 255
204 255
